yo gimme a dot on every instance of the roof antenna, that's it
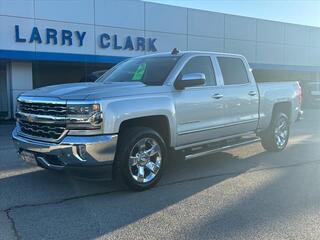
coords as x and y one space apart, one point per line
175 51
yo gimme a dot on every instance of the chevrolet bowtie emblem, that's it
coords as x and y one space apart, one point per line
30 118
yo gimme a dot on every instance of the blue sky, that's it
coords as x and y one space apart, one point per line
305 12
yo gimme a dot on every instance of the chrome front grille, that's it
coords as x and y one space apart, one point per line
48 109
43 120
42 130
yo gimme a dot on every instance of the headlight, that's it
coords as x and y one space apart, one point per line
84 116
83 109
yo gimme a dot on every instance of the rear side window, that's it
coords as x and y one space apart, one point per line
200 64
233 71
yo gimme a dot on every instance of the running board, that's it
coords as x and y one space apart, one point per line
208 152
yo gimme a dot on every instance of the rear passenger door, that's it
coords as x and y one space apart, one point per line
240 96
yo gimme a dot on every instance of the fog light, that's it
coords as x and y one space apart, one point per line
81 149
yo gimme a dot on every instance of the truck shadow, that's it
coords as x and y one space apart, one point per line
94 208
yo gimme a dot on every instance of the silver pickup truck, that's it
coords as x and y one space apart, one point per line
145 110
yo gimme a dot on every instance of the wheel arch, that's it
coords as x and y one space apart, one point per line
282 107
159 123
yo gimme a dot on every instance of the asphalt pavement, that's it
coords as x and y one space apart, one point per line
243 193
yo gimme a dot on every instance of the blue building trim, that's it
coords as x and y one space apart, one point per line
69 57
262 66
65 57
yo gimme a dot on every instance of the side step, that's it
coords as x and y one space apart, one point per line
221 148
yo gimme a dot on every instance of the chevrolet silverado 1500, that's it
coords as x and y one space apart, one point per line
139 112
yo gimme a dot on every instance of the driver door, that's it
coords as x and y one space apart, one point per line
199 110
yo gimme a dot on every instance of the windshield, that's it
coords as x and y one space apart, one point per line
148 70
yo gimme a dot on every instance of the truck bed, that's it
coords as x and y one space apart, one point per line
273 92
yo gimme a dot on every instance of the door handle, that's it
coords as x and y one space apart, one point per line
217 96
252 93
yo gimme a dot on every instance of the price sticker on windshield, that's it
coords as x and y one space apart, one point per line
138 75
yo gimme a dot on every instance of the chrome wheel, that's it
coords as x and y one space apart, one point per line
145 160
281 132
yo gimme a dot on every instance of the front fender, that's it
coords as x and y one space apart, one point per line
120 110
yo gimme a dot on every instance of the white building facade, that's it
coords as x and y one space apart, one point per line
54 41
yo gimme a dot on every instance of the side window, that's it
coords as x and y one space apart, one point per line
233 71
201 64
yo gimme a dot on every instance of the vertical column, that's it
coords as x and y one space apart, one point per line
21 80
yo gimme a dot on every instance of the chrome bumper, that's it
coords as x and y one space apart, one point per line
72 151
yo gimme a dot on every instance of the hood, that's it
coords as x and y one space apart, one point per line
82 91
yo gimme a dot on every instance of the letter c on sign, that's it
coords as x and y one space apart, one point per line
104 40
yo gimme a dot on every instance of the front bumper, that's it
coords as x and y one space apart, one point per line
72 151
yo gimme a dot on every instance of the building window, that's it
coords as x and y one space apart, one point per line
51 73
4 89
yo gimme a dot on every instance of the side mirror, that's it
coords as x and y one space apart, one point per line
190 80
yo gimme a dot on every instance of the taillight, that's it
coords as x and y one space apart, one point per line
299 94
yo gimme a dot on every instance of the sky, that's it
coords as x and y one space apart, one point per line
304 12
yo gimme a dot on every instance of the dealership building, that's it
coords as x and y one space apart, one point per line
53 42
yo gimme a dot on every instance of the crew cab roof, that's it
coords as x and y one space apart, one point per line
184 53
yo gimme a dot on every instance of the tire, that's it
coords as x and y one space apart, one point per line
275 138
137 142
